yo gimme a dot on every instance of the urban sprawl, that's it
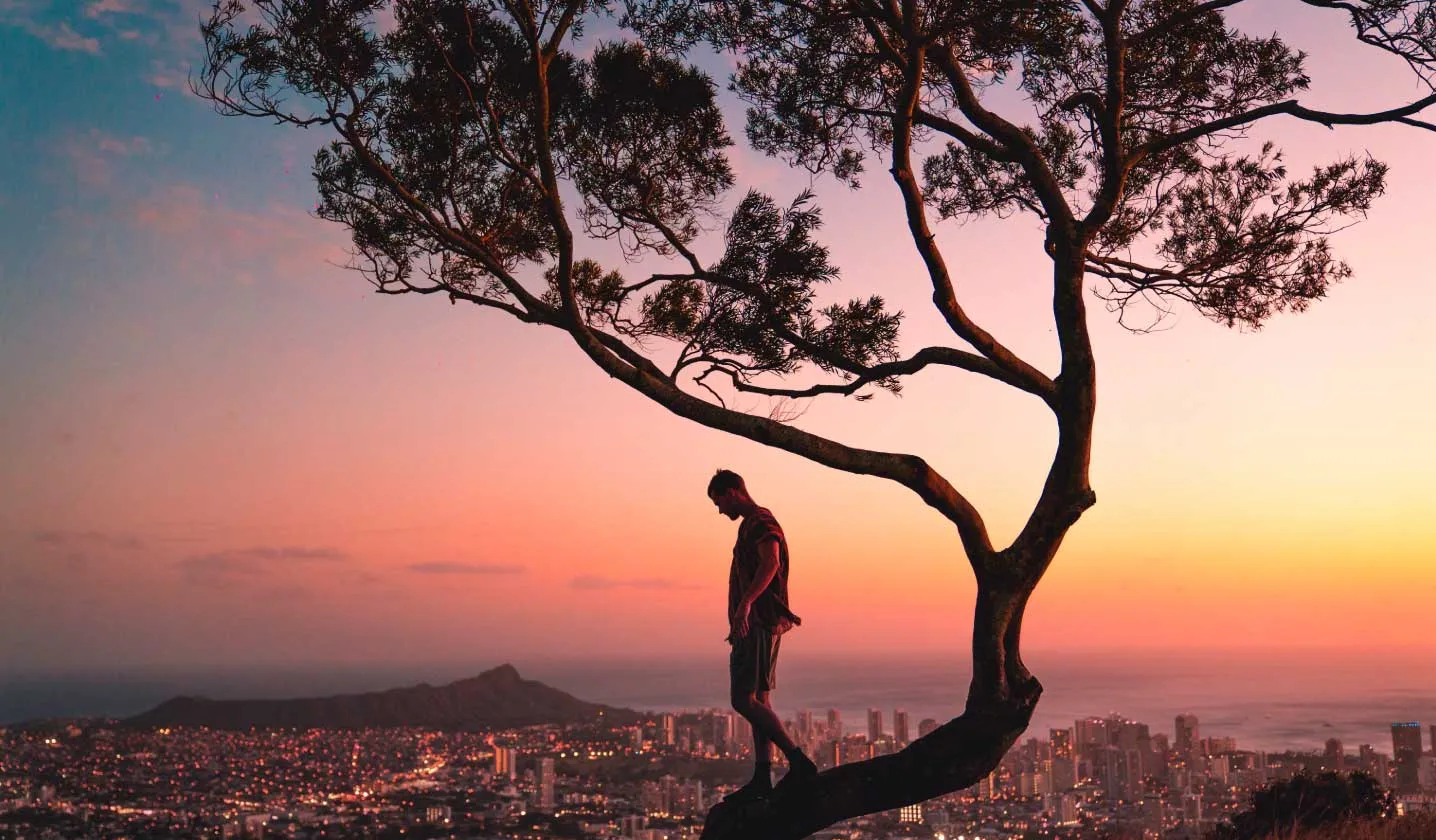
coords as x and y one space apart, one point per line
1103 777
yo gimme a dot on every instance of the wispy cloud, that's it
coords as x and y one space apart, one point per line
121 145
165 74
252 562
91 156
213 239
87 540
598 582
100 8
444 567
60 36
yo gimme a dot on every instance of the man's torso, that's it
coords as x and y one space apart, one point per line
770 610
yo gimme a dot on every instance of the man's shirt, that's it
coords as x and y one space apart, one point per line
771 610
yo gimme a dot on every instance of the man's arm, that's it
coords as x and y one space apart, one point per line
768 564
767 567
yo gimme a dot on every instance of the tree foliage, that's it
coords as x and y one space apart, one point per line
1308 801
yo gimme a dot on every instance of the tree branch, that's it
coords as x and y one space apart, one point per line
1109 118
956 755
945 356
944 294
1018 144
1173 22
1291 108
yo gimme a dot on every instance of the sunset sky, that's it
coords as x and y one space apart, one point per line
216 446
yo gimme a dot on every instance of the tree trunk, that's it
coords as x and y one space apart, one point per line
1000 702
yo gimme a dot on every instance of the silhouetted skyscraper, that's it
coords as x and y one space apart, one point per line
875 724
926 727
1335 755
1064 760
505 761
805 725
835 724
1187 736
1061 743
1406 748
900 733
545 786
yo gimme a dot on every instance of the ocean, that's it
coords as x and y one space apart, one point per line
1266 700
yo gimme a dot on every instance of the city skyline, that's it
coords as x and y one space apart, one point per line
1100 773
221 448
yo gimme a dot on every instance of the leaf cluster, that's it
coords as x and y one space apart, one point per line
1308 801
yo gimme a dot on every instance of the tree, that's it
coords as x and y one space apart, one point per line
1307 801
475 151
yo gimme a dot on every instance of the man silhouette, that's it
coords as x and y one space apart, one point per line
758 616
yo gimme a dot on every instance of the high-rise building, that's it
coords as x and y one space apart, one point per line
1334 758
742 733
1366 756
835 725
1406 749
910 813
545 786
805 726
666 724
1061 743
1192 808
1217 746
506 762
1187 736
1064 774
900 733
853 748
926 727
1091 731
1131 735
987 786
875 724
1153 813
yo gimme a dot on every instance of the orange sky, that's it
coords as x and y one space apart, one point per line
218 448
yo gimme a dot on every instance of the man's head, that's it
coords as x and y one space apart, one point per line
728 492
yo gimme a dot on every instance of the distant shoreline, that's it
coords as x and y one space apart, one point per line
1281 699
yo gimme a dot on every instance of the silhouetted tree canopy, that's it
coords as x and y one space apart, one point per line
1307 801
481 146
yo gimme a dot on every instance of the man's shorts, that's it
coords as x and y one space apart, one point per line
753 662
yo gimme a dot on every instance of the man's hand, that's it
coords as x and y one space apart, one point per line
739 625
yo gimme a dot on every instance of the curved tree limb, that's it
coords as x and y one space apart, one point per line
1330 119
944 294
1018 144
957 755
944 356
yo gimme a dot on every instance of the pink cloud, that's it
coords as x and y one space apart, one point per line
103 7
90 156
211 237
59 36
167 76
119 145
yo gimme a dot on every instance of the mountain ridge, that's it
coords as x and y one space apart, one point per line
498 698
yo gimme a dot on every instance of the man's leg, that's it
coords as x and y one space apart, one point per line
800 767
762 744
743 677
766 721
